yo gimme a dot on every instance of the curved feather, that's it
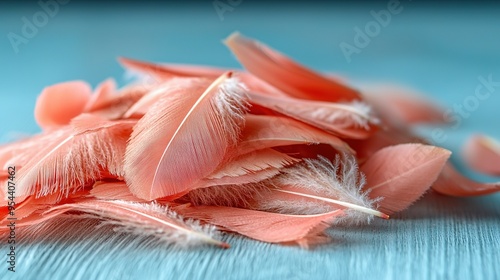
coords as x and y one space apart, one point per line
102 95
451 182
399 105
183 138
285 74
168 71
401 174
59 103
338 183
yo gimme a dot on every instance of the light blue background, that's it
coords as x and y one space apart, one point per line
440 51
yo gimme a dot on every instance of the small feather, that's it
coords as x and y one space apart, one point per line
401 174
482 153
451 182
265 226
338 183
348 120
59 103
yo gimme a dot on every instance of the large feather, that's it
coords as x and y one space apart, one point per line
402 173
285 74
183 138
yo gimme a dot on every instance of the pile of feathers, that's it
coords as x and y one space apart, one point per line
277 153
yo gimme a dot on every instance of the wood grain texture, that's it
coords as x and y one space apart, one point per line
438 238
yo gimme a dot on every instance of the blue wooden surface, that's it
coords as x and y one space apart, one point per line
439 50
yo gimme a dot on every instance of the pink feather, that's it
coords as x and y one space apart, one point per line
399 105
114 190
452 183
348 120
483 154
252 167
263 131
163 72
102 95
401 174
140 219
183 138
265 226
285 74
76 156
149 99
59 103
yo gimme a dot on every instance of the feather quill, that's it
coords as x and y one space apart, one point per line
337 183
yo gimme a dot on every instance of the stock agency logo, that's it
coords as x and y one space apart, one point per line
31 25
